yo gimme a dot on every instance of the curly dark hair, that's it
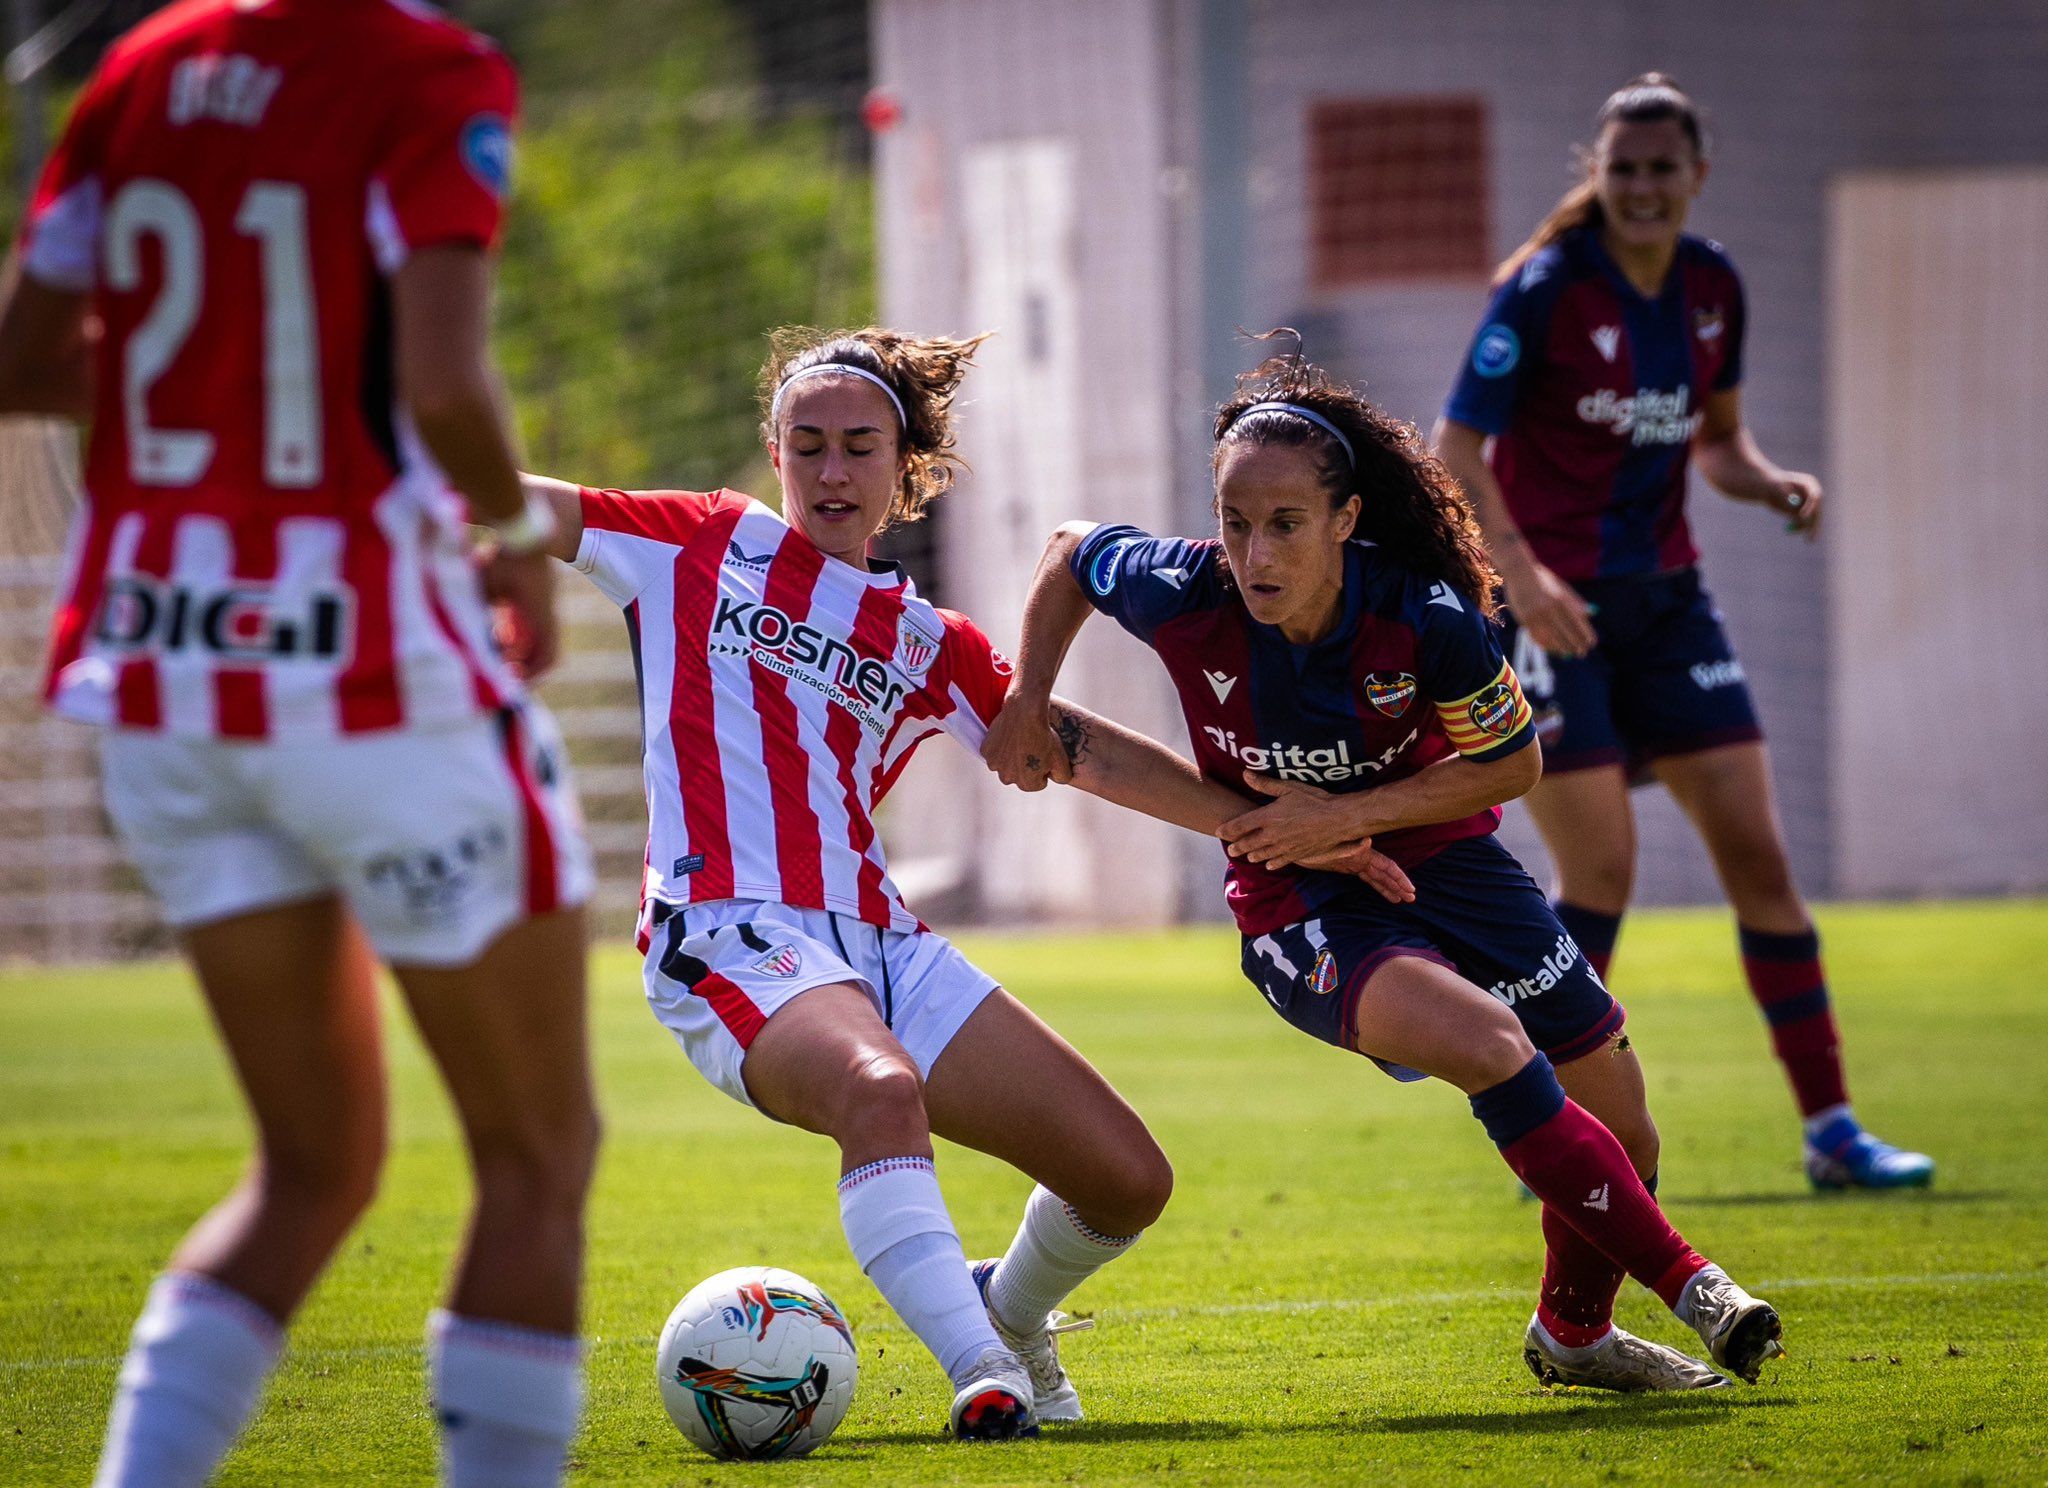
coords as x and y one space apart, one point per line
1409 503
923 371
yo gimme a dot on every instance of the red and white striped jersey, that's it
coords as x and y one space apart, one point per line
781 694
266 550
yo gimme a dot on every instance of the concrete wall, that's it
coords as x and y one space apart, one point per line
1797 94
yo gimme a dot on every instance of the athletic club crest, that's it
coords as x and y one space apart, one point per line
784 962
1322 977
916 647
1390 692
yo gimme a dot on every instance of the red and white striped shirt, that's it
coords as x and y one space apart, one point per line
266 551
781 694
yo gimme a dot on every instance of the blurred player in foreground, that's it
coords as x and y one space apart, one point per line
785 680
1611 351
258 262
1334 651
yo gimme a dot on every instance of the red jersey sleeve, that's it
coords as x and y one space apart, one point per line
446 166
61 232
630 536
972 678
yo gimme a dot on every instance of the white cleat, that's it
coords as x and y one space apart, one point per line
995 1403
1053 1396
1741 1332
1620 1361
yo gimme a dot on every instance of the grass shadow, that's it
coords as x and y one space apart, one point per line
1854 1196
1578 1411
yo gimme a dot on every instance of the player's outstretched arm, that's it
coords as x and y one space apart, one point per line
45 349
565 500
1301 823
1021 746
1123 766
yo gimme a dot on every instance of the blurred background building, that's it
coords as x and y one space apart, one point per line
1117 187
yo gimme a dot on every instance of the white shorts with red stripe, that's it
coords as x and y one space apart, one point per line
440 839
717 972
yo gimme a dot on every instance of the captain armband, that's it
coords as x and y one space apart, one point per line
1494 715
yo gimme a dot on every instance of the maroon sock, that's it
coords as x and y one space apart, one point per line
1575 1165
1595 932
1576 1306
1786 979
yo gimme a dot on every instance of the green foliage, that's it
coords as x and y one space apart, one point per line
1335 1295
663 224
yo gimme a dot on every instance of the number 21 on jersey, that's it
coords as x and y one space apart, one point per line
274 213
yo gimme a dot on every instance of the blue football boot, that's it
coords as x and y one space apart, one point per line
1843 1155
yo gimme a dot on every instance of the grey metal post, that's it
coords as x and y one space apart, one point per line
25 99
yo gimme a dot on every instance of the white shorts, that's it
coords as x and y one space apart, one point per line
717 972
440 840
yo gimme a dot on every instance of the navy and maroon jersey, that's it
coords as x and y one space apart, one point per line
1593 394
1411 676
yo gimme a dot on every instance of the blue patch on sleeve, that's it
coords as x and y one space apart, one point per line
1496 351
1102 568
486 146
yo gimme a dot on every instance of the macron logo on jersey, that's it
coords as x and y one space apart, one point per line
1441 593
1220 683
1607 341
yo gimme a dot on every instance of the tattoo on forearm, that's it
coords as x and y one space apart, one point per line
1076 734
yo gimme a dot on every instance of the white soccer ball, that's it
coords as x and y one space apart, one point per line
756 1362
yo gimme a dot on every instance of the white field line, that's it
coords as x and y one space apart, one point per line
1152 1314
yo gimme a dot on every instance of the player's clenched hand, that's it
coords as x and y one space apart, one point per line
1798 496
1298 825
521 589
1021 746
1557 618
1361 860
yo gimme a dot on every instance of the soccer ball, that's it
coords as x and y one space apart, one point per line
756 1362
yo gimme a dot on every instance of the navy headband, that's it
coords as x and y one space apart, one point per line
1302 413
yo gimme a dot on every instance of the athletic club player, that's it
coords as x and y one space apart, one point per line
1612 351
259 263
785 680
1334 651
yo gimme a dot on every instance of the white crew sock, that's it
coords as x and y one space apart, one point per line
1052 1254
897 1225
196 1364
508 1399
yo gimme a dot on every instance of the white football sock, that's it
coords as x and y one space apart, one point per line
897 1225
508 1399
1052 1254
196 1364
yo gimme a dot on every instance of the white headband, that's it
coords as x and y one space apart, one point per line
817 368
1306 413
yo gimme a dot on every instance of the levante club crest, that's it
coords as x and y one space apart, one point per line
1322 978
1390 692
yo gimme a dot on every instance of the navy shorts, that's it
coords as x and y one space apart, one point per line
1663 679
1476 911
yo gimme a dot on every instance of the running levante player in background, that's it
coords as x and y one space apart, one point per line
1612 351
785 681
1334 650
258 262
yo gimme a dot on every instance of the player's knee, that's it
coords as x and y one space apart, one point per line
331 1181
1601 881
882 1103
1498 1052
538 1167
1142 1187
1637 1134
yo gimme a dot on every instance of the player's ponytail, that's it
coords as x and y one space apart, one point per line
1409 503
920 375
1647 99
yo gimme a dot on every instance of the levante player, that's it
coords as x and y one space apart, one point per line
277 220
1334 649
1609 359
786 678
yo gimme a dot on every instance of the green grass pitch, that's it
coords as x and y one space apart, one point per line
1336 1293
